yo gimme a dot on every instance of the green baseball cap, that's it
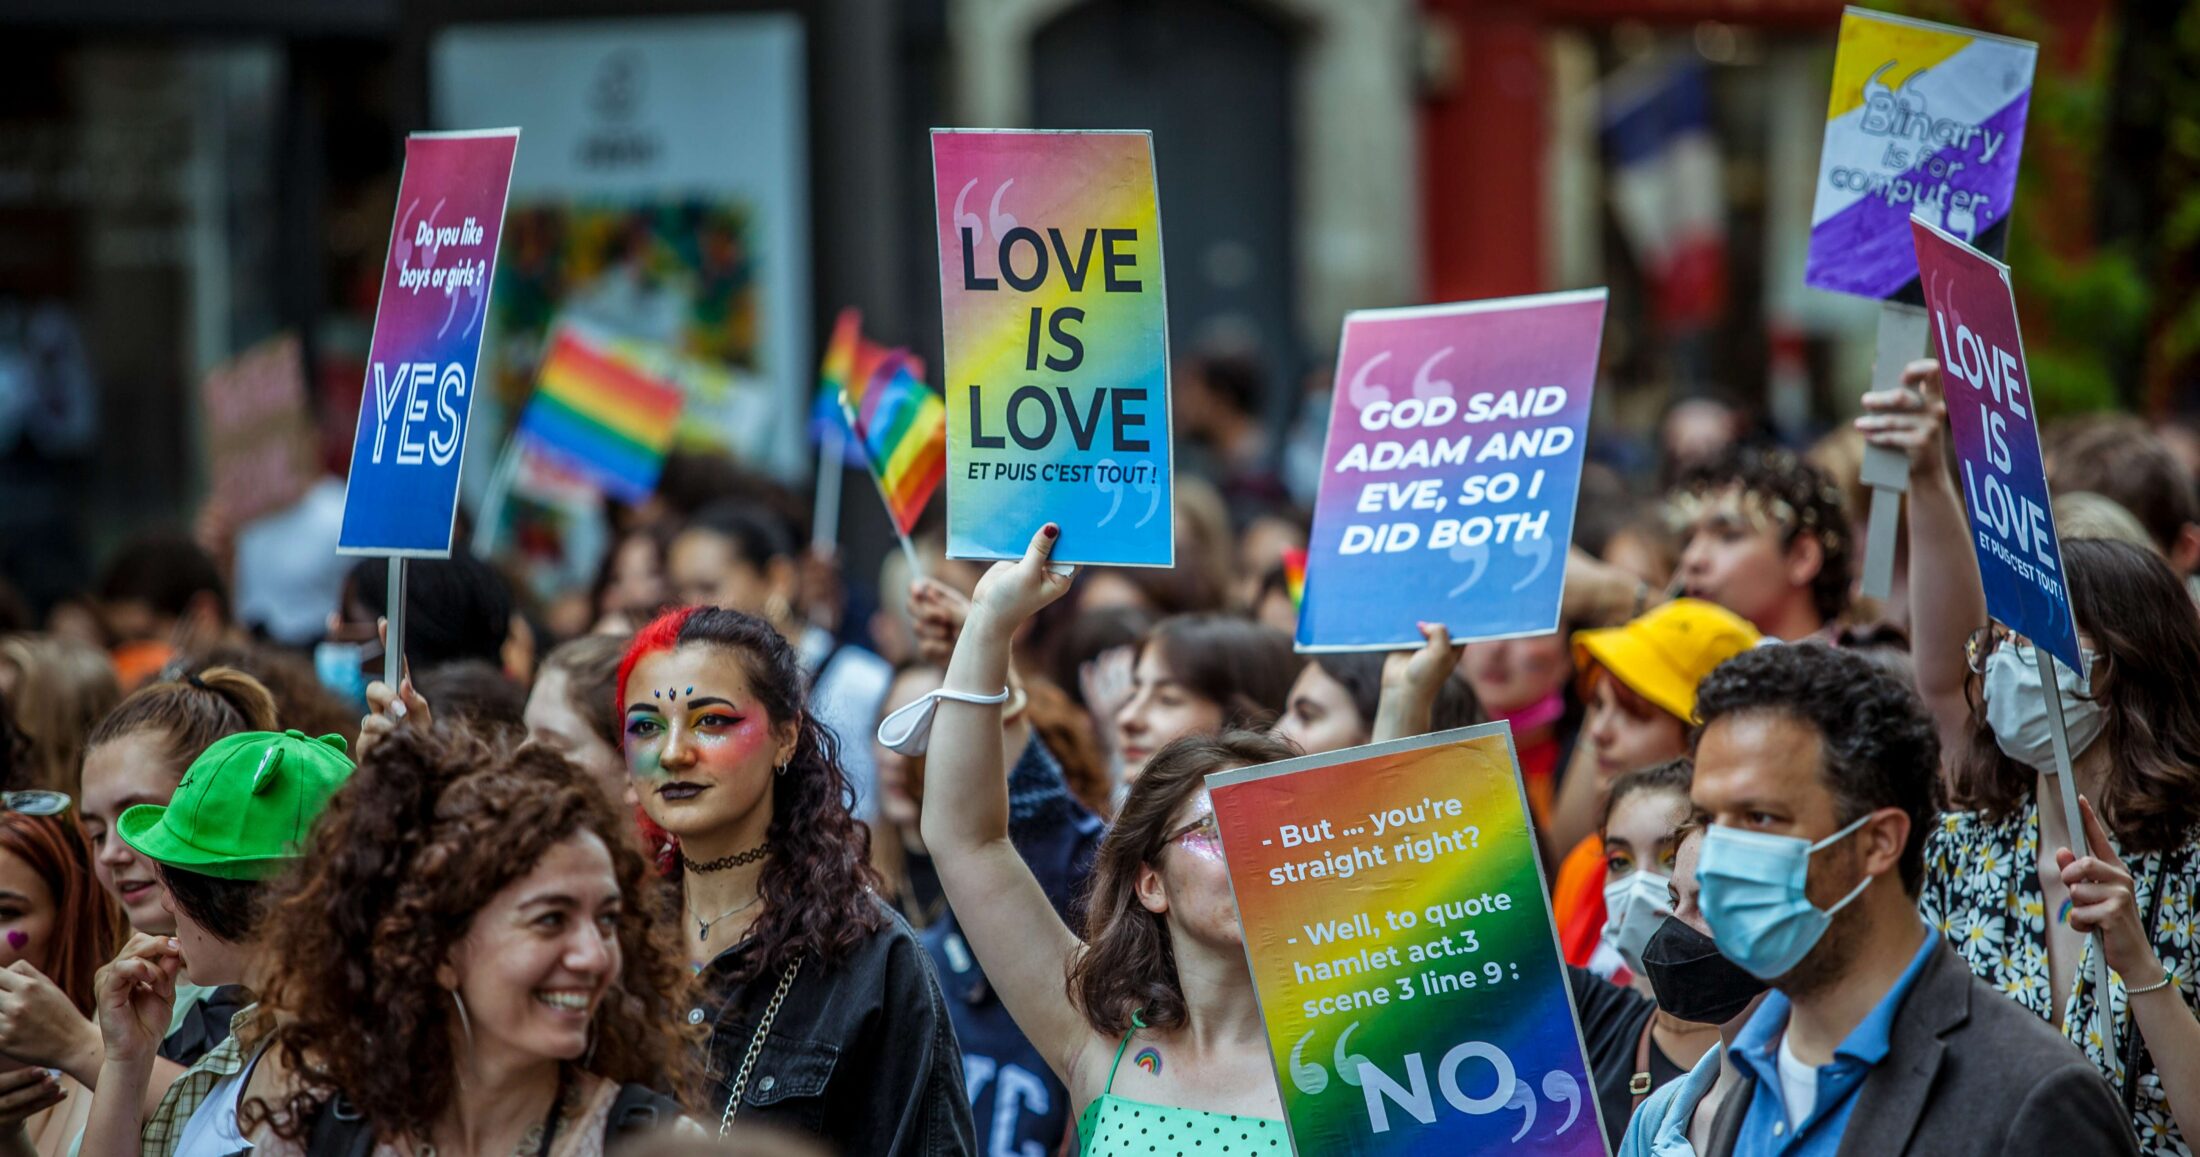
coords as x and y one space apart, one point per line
243 809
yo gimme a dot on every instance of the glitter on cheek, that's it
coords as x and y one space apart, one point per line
645 757
1204 843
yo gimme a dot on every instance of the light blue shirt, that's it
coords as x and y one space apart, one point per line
1659 1127
1765 1131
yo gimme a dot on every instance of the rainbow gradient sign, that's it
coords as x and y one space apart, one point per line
402 496
1057 345
1450 472
1924 119
1399 933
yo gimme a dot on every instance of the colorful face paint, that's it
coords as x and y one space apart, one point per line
1200 837
1148 1060
17 939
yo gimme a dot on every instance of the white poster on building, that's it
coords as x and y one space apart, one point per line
662 193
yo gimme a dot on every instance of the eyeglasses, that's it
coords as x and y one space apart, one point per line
1982 644
1201 837
35 803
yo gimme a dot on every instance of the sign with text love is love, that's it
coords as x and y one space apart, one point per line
1996 436
402 496
1057 345
1924 119
1398 929
1448 481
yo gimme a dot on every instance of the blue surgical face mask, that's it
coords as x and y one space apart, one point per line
1755 897
341 668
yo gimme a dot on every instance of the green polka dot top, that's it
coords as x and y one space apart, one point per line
1113 1126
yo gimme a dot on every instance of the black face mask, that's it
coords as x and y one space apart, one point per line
1692 980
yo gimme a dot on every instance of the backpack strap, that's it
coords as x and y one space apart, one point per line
637 1109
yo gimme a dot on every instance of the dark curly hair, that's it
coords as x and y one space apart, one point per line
1807 502
817 884
1127 964
431 827
1876 744
2146 644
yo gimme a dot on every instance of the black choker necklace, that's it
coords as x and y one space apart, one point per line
723 862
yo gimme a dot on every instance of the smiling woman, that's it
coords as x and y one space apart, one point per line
488 904
823 1012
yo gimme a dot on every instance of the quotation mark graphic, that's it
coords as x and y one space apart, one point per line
1113 488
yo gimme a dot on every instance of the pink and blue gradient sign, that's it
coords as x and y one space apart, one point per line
1452 464
1057 345
1399 934
402 496
1995 433
1924 119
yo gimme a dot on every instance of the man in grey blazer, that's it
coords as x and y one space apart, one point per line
1814 772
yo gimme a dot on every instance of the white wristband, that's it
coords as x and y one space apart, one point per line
909 730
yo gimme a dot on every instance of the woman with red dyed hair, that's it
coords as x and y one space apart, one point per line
56 922
823 1012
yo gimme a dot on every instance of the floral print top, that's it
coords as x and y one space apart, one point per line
1982 890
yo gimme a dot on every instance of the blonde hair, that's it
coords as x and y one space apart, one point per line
62 690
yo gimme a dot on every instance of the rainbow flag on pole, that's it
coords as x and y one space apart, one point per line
600 410
902 426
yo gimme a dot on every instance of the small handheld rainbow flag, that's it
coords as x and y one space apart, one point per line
1294 575
901 426
600 411
851 366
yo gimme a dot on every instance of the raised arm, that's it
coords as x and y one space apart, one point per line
1411 681
1005 915
1947 601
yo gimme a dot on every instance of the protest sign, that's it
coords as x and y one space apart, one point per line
1452 463
1057 345
1995 432
1924 119
259 435
1397 926
402 496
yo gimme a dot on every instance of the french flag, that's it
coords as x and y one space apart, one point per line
1666 185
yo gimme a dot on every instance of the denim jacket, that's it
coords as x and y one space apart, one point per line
861 1055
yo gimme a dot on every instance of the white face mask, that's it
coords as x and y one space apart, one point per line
2016 709
1634 906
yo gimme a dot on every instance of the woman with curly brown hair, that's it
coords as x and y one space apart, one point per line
1161 964
822 1011
487 907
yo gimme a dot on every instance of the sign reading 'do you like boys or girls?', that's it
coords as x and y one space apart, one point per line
402 496
1449 477
1057 345
1398 928
1995 432
1924 119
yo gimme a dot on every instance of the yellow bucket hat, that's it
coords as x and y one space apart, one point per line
1665 653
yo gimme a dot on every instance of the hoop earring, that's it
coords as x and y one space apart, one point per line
465 1023
782 768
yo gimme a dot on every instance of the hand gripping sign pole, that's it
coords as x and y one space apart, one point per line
1902 335
2073 819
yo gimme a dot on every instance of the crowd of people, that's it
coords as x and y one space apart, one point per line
710 860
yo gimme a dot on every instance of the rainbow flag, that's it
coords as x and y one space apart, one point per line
852 364
901 428
601 411
1294 575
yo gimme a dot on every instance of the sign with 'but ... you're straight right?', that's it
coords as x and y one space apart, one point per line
1057 375
1399 934
1449 477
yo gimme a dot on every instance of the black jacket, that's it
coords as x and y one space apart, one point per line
1968 1071
862 1054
